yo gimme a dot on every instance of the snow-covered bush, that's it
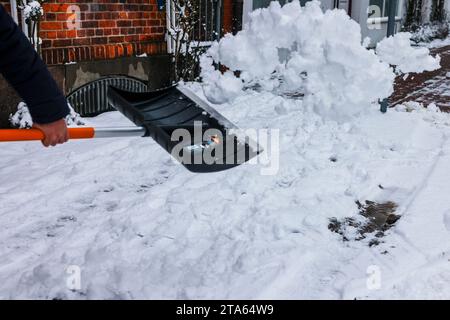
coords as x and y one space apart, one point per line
22 118
397 51
301 50
430 32
32 11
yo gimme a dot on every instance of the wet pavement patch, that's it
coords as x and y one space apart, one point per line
373 221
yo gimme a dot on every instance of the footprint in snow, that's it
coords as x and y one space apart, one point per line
52 230
111 206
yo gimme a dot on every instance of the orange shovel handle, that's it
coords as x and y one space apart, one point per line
35 134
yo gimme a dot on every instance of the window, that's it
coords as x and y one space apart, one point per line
265 3
379 9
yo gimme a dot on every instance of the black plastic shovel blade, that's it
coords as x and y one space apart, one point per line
190 130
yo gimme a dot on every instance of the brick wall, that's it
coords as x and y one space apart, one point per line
108 29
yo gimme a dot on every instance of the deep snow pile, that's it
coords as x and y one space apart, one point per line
397 51
306 51
324 60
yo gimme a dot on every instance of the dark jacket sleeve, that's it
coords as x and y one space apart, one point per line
27 73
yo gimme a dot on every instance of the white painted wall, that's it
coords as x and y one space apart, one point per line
447 9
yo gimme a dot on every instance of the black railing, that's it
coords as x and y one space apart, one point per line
209 26
91 98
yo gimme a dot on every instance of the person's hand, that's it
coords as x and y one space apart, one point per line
54 133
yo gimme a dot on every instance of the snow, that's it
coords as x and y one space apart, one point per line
437 43
432 35
139 225
397 51
22 118
300 50
33 10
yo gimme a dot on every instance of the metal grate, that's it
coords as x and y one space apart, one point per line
91 99
209 24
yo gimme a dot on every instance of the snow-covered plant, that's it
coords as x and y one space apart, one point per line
430 32
33 11
33 14
181 28
22 118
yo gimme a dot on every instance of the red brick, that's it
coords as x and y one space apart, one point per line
108 29
47 25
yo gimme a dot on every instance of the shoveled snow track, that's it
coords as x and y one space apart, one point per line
417 266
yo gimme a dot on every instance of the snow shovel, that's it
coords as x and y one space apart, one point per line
190 130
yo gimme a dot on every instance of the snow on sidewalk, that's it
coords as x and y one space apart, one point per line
417 267
140 226
427 87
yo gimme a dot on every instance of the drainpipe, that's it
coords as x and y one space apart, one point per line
219 17
392 10
168 23
14 14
